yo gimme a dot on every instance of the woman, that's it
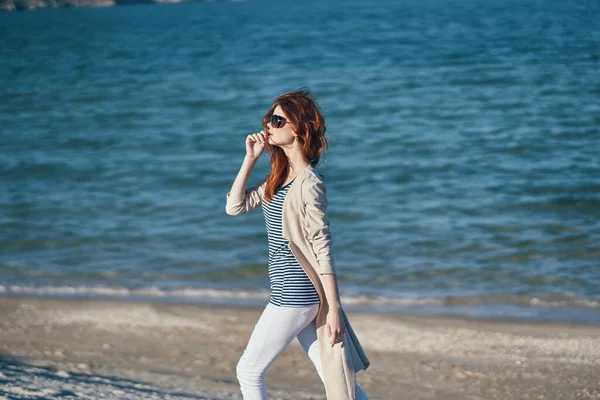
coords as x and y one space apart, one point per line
304 301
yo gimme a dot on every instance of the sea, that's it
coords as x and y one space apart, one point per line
463 167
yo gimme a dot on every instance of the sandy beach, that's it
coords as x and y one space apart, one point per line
69 348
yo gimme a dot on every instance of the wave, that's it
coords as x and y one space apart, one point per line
556 300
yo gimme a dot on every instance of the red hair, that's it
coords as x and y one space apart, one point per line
308 123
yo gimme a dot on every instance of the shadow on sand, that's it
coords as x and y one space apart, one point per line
19 380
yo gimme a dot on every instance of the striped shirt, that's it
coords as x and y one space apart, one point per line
290 286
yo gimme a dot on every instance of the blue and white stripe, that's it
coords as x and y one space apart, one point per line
290 286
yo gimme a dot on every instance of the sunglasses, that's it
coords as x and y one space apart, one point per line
277 121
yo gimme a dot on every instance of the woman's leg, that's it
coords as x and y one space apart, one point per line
308 340
275 329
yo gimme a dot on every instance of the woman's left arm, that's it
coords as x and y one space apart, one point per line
317 226
335 324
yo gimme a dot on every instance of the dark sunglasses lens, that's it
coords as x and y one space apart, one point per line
277 121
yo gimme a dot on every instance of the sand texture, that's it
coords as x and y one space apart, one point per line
90 349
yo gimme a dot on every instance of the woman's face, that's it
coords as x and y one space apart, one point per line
283 136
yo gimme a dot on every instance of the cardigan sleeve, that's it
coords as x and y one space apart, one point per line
251 199
317 224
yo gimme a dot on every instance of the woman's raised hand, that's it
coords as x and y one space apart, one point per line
255 144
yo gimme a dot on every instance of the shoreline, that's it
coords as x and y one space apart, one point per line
134 349
477 311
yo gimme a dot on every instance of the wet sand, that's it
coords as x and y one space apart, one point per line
67 348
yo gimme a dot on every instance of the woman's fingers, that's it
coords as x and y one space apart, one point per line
337 337
255 144
258 137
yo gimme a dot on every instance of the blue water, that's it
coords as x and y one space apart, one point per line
462 173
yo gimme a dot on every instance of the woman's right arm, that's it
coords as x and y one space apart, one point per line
239 199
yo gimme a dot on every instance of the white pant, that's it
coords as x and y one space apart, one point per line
275 329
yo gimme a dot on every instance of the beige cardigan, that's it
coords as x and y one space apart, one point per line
306 226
